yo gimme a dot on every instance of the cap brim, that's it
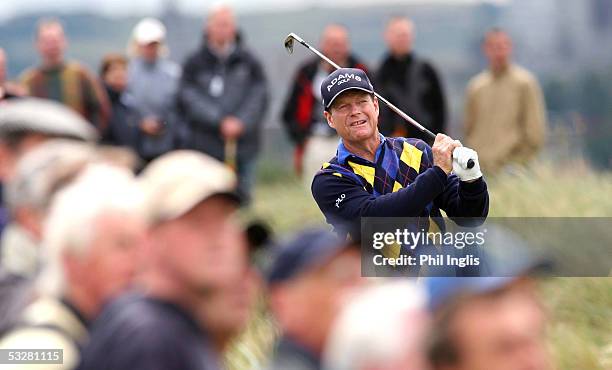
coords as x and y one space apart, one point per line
346 89
317 255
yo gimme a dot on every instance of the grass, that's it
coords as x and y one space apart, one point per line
580 332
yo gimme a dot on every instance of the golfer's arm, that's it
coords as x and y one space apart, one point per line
464 200
328 191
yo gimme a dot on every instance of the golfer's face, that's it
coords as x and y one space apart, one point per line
354 116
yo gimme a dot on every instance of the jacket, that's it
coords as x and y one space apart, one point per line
212 88
413 85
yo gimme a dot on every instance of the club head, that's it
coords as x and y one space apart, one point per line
289 43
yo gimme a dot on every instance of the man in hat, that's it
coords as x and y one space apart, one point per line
25 124
487 323
307 282
151 89
376 176
196 253
92 245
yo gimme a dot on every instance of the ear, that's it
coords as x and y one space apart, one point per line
330 119
74 269
376 105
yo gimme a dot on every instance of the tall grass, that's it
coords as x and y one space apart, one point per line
580 332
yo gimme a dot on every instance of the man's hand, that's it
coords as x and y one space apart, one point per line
461 156
443 150
151 126
231 128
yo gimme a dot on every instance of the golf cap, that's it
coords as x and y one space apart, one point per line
308 249
341 80
149 30
178 181
42 116
506 258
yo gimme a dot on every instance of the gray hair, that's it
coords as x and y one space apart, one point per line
70 226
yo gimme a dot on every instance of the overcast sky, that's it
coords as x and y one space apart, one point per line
11 8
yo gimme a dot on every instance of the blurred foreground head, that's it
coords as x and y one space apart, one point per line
309 279
28 122
487 323
383 327
198 251
93 238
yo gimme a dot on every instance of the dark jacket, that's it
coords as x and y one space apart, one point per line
137 332
298 114
413 85
122 129
402 183
243 93
291 355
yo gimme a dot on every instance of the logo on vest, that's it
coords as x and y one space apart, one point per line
339 200
342 79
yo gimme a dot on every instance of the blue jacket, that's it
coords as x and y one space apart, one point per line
402 182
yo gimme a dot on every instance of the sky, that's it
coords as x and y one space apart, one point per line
12 8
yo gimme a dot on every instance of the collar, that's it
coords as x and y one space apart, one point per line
343 154
292 348
75 311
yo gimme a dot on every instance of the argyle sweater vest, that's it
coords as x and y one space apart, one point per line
400 161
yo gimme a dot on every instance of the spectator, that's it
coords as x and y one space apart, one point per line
8 90
315 142
504 105
196 252
123 125
26 123
152 86
93 246
223 97
308 281
38 176
410 83
64 81
487 323
383 327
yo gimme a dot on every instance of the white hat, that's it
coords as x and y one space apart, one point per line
45 117
149 30
177 181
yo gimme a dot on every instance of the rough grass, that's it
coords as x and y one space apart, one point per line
580 333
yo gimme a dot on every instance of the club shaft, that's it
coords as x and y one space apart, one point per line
388 103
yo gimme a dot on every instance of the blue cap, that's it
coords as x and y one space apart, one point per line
308 249
506 258
442 290
344 79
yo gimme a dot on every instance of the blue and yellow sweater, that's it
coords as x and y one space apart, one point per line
402 182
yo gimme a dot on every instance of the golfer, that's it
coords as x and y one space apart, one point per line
376 176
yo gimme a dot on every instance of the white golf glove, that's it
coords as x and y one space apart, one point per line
461 156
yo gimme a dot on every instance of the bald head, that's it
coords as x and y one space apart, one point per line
399 36
221 26
335 43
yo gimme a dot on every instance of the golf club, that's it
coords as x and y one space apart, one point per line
292 37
